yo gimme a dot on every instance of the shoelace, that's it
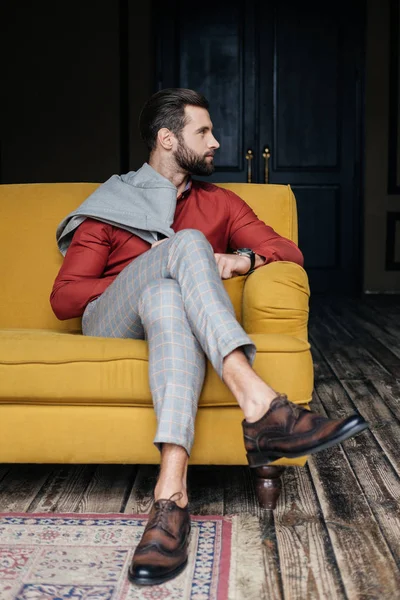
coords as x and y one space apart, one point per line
163 506
295 409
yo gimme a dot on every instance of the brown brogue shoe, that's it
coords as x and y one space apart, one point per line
288 431
163 550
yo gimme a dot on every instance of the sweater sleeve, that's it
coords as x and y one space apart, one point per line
248 231
80 280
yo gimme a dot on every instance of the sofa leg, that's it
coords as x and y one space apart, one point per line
268 485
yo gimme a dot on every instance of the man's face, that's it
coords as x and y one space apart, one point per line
196 144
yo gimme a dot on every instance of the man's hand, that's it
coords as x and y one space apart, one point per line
232 265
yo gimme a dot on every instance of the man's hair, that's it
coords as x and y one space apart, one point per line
166 108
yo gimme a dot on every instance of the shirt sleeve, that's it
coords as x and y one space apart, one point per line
80 280
248 231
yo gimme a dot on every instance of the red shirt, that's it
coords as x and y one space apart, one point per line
98 251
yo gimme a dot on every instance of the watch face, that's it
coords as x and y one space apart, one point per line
245 249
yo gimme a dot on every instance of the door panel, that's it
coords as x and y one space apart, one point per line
306 99
319 225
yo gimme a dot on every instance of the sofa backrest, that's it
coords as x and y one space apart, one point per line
30 259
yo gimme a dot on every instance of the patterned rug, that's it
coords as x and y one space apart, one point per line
86 557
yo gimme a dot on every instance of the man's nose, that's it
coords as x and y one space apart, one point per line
214 143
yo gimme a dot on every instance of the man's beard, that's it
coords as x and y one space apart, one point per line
191 162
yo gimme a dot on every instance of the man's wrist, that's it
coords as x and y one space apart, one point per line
250 254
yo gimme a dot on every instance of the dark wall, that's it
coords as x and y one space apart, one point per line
381 201
74 77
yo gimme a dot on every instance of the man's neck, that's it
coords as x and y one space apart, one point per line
178 178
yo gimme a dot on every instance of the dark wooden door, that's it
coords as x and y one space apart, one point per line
284 76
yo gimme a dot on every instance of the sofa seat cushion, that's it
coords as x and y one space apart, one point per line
52 367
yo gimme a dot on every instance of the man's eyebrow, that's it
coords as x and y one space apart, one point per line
204 128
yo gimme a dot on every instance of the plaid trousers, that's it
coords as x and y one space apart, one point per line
172 296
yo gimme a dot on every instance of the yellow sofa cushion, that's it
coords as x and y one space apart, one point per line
52 367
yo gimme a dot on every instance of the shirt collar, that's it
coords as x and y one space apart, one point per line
183 195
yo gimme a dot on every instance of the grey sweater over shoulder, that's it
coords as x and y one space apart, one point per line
143 202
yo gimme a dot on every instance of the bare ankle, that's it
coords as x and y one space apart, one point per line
254 396
177 492
255 407
173 474
255 413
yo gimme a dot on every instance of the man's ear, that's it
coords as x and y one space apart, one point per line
166 138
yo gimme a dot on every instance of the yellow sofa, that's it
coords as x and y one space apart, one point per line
66 398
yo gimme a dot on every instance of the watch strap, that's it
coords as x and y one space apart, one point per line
250 254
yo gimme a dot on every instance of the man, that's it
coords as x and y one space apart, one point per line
127 283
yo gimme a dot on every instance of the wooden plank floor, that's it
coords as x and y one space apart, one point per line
336 531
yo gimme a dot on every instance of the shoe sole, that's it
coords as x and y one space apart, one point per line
262 459
157 580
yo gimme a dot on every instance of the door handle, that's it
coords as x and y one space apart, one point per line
249 158
266 156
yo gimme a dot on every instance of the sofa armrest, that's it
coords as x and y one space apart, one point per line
276 300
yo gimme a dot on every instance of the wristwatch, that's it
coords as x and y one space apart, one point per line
247 252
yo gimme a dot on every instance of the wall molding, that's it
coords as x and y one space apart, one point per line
394 96
392 219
